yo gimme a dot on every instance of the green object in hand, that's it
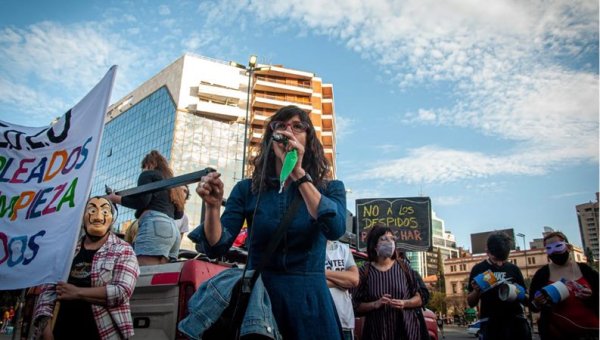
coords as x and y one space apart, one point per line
289 162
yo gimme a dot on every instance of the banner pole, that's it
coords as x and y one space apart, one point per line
17 324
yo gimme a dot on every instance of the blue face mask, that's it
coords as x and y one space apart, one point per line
385 248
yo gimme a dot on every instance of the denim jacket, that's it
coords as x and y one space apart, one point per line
213 296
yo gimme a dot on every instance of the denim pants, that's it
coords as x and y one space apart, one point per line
157 236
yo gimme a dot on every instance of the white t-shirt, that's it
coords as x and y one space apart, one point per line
183 224
339 258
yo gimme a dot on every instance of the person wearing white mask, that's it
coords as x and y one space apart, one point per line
388 293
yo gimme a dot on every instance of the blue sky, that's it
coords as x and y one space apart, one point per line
489 108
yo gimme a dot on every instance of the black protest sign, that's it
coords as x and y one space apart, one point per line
409 218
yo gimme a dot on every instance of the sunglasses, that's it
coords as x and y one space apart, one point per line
297 127
556 247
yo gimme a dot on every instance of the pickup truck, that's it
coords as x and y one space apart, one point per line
161 294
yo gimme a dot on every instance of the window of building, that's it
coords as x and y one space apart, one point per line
452 268
463 267
454 291
531 260
152 122
513 261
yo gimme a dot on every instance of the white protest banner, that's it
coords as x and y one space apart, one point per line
45 180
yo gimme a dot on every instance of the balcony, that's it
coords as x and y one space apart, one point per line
281 85
327 91
278 103
219 110
327 106
256 136
327 141
284 72
221 93
259 118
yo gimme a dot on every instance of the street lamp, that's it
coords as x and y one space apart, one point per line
251 68
524 253
526 271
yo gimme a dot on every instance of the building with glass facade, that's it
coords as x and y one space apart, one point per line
194 113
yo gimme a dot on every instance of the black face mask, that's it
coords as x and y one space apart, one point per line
559 259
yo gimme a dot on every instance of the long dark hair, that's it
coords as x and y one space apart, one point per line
155 161
372 239
313 162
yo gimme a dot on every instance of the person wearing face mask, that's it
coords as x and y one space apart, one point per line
499 319
94 302
387 293
576 317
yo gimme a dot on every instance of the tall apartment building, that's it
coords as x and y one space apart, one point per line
274 87
443 241
587 216
194 112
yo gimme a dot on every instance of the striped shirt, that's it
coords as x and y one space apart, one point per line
115 267
387 323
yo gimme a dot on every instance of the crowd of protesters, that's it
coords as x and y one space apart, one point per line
314 285
564 291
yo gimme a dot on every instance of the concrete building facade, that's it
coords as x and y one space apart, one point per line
194 113
587 216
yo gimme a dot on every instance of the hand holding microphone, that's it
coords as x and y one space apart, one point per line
279 138
284 142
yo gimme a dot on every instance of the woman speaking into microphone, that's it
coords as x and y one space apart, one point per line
294 276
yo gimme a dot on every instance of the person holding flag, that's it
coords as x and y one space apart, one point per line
94 302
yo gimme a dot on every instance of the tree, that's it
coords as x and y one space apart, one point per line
441 280
590 258
437 303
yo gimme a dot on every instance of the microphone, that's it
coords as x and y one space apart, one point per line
279 138
289 162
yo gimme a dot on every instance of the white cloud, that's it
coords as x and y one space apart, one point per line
168 23
434 164
502 59
386 148
18 95
569 194
164 10
446 200
552 114
344 126
426 115
49 67
487 187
